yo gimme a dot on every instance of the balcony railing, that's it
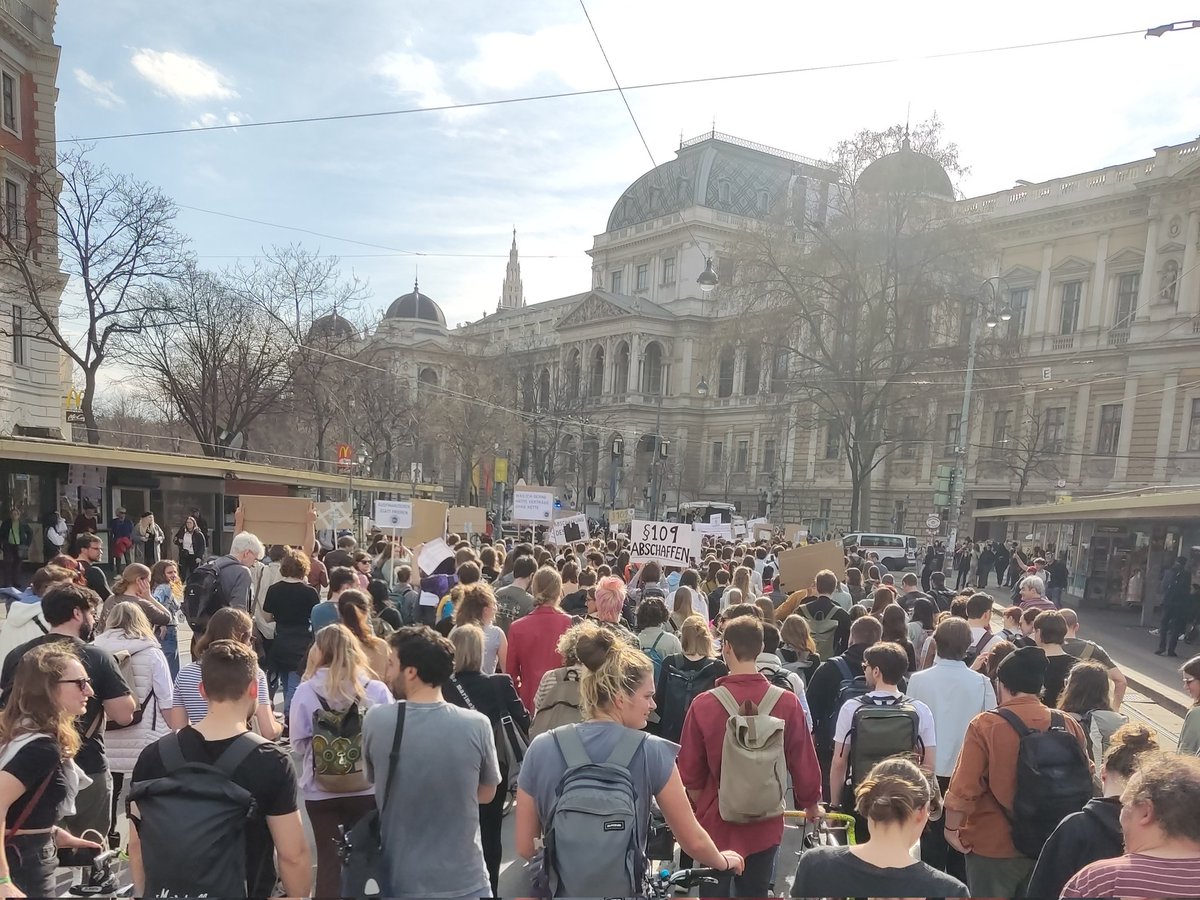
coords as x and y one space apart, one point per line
1118 337
1064 342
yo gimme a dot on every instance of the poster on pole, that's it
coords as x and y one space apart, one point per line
334 515
570 529
464 520
619 518
428 521
800 565
276 520
533 504
795 534
394 515
669 543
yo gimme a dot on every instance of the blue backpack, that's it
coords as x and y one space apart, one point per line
655 656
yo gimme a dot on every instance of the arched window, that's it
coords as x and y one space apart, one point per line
652 369
596 373
779 368
753 370
543 390
573 372
723 191
621 374
725 366
427 380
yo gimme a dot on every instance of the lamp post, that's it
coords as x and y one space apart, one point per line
659 447
616 461
990 299
359 460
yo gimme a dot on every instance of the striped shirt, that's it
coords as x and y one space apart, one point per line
1135 875
187 692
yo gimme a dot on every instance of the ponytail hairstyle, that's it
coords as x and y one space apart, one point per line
895 790
131 575
1127 746
546 586
354 611
614 668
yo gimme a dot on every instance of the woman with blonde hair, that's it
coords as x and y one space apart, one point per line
742 582
167 590
682 608
337 684
477 606
533 638
768 609
686 675
38 775
354 611
798 650
495 697
133 586
618 696
129 631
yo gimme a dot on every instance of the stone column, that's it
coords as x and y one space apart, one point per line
1079 417
635 363
739 370
1044 301
1188 295
687 384
1094 302
754 454
813 430
1147 288
1166 425
1125 439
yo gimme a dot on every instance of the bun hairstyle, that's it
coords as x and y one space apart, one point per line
894 791
1126 747
614 667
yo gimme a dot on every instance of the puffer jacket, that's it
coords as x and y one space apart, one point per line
150 673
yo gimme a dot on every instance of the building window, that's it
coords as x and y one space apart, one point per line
724 270
950 439
899 514
1072 296
1127 291
616 282
725 367
12 208
1000 429
723 191
669 270
764 202
825 509
833 441
18 335
1018 302
1194 426
908 435
643 277
768 460
741 462
715 456
1110 429
1054 427
9 91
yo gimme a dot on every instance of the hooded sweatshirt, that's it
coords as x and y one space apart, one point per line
1080 839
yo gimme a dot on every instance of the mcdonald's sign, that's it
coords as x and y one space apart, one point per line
344 454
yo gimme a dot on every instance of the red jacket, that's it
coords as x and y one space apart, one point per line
699 763
533 649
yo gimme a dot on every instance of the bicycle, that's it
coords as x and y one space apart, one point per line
666 883
829 823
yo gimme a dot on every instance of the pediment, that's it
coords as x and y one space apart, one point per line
1073 265
1172 247
1020 275
1127 257
592 308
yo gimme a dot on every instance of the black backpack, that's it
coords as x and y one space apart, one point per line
882 727
975 649
407 600
680 687
851 687
1053 781
203 596
201 801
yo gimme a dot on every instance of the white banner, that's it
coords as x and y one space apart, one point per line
664 542
570 529
433 554
393 515
722 530
532 506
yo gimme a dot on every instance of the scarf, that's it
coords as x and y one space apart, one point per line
74 776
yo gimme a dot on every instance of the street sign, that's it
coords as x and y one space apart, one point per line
1061 483
933 523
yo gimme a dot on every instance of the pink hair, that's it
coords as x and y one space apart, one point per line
610 598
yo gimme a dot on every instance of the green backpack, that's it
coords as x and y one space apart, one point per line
823 628
337 749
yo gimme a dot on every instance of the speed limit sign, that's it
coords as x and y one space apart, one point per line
933 523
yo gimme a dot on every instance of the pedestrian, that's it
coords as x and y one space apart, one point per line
920 629
148 536
167 591
54 535
1087 698
618 694
1032 593
38 745
1161 834
189 538
478 606
606 607
1189 734
654 636
327 708
233 579
133 586
898 801
17 537
797 648
264 576
448 764
1093 833
165 863
686 675
70 611
190 705
342 556
288 607
1059 577
325 612
1175 609
495 696
755 834
980 818
354 612
558 700
895 631
514 599
1049 632
533 638
25 620
120 537
129 632
984 565
88 549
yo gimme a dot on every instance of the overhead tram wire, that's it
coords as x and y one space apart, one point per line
652 85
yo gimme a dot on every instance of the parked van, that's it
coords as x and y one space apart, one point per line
896 551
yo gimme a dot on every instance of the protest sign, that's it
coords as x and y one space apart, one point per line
276 520
533 504
433 554
570 529
665 542
795 533
618 518
723 530
394 515
800 565
428 521
465 520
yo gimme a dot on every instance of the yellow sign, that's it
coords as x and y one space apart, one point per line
501 472
74 399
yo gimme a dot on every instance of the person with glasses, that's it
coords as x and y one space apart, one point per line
38 774
1189 735
88 550
70 611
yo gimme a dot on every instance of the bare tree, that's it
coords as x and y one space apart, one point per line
116 236
1032 451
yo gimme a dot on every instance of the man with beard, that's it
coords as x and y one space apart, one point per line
70 611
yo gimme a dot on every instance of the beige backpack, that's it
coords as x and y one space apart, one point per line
753 764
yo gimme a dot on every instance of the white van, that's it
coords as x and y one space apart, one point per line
896 551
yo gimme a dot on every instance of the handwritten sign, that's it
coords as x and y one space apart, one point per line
664 542
467 519
620 517
395 515
570 529
723 530
533 506
433 554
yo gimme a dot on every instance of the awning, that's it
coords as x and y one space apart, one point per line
1167 505
35 450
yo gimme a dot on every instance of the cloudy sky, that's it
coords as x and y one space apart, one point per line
452 184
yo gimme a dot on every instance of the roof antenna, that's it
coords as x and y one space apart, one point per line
416 279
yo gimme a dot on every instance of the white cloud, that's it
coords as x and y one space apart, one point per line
410 74
182 76
102 91
206 120
506 60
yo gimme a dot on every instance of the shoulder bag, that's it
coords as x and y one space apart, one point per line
361 849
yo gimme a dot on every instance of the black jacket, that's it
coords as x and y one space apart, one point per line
1081 838
823 687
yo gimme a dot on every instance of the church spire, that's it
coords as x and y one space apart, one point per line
512 294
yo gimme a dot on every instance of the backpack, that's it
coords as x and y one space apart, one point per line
777 676
823 627
679 688
754 772
201 801
407 601
563 704
653 590
202 596
977 648
125 663
655 656
1053 781
593 845
882 727
851 687
337 749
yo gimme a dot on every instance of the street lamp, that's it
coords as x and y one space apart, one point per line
702 388
708 278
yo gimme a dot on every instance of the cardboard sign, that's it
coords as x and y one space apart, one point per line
276 520
665 542
428 521
466 520
794 533
800 565
394 515
620 517
333 515
433 554
532 504
764 531
570 529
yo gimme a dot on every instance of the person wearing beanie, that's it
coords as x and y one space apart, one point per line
984 783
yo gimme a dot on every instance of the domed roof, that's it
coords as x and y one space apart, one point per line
415 306
332 327
907 172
